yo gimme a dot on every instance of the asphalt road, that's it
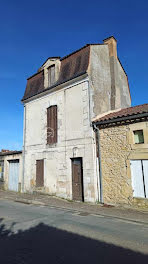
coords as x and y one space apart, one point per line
38 234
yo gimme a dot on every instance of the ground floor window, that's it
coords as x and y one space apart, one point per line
139 173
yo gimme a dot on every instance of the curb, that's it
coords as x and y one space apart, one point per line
29 202
26 201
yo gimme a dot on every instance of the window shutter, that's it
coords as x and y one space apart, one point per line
52 124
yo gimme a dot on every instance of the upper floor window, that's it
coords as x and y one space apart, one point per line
51 75
138 137
52 124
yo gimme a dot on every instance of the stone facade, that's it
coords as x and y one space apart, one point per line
75 139
117 149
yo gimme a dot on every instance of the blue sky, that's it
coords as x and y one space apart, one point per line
31 31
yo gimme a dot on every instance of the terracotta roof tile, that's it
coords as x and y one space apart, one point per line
138 109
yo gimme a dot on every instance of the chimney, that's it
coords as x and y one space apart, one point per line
112 45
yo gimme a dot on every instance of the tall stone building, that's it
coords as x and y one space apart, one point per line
60 101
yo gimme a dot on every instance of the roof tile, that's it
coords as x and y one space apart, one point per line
138 109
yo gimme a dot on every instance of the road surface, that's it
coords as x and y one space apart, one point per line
41 234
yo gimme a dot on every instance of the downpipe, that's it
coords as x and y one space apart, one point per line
96 129
24 141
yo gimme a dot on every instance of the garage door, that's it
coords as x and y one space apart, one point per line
13 175
139 173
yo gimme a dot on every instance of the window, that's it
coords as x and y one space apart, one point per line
138 137
51 75
52 124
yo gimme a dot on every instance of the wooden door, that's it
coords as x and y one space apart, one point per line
77 179
40 173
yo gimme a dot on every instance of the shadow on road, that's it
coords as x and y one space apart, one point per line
44 244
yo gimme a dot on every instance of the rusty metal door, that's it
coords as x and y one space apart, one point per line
77 179
40 173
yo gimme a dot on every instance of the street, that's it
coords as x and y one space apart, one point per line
43 234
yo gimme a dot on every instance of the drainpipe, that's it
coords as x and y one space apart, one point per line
96 129
24 141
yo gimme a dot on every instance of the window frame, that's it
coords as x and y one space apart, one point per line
134 134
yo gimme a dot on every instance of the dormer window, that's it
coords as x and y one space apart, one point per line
51 75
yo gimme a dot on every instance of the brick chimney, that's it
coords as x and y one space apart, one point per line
112 45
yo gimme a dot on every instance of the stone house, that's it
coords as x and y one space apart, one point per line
123 153
60 101
11 166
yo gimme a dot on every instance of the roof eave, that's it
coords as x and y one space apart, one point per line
120 119
10 153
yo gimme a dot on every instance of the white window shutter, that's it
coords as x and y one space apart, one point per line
145 169
137 179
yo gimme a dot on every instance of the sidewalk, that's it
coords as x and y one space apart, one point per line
97 209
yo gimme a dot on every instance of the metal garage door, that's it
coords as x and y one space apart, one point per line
13 175
139 173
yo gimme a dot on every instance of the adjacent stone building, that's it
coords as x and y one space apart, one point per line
123 154
11 168
60 101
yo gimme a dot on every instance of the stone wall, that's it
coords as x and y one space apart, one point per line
117 149
114 154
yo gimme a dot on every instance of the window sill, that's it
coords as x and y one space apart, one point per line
51 145
139 146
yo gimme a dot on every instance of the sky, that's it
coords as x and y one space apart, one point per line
31 31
